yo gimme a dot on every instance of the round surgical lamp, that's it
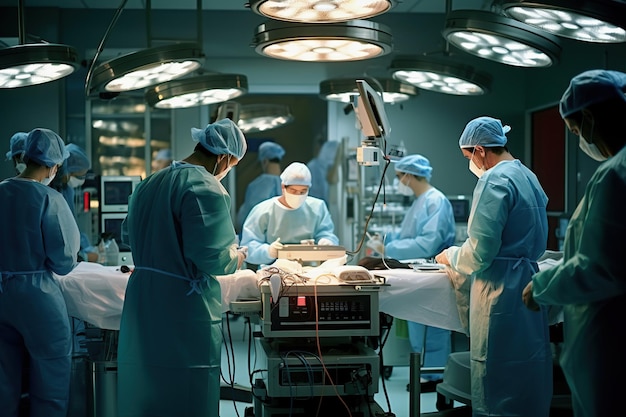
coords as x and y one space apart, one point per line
35 63
320 11
262 117
501 39
589 21
197 91
330 42
342 89
441 76
147 67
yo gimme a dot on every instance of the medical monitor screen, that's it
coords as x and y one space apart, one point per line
370 111
460 209
115 192
113 226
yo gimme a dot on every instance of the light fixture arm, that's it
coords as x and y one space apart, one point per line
118 12
21 28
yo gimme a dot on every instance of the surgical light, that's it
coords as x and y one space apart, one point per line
331 42
197 91
342 89
262 117
589 21
320 11
501 39
441 76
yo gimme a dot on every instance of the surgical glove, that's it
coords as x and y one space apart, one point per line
275 246
376 244
243 250
324 242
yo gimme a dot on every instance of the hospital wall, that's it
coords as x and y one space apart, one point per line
429 124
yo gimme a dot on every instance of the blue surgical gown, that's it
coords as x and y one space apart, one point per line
261 188
39 236
270 220
427 229
179 229
590 284
511 362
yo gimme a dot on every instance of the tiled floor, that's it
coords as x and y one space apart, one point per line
396 401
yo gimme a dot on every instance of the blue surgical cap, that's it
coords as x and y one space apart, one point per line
163 155
415 165
77 161
271 150
45 147
16 145
592 87
484 131
296 174
222 138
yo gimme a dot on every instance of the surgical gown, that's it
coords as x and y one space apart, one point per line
270 220
181 236
261 188
39 236
590 284
427 229
511 362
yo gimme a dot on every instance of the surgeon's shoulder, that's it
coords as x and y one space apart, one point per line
316 203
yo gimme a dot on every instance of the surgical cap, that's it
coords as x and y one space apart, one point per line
484 131
592 87
163 155
16 145
415 165
296 174
222 138
77 161
45 147
271 150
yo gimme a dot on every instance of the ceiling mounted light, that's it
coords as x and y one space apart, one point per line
35 63
501 39
320 11
342 89
441 76
262 117
332 42
197 91
589 21
147 67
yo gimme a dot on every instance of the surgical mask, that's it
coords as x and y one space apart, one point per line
75 182
474 168
20 167
223 174
295 200
404 189
46 181
590 148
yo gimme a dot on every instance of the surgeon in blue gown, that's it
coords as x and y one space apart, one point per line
181 236
290 218
71 176
426 229
590 284
16 151
39 236
266 185
511 360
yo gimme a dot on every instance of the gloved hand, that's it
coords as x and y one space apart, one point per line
242 253
275 246
376 244
324 242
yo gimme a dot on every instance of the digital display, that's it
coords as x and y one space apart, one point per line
461 209
117 192
114 226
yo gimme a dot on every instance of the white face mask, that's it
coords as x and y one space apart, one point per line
404 189
295 200
75 182
590 148
222 174
48 180
20 167
474 168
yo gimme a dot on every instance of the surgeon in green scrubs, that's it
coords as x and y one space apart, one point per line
181 236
